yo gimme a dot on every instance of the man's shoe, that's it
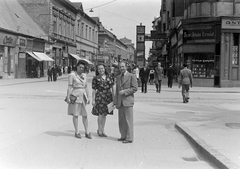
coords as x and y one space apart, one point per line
127 141
121 139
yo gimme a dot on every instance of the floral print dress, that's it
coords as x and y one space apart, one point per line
103 94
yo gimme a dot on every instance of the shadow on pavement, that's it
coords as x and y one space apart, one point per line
58 133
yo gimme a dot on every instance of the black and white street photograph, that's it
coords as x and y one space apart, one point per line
119 84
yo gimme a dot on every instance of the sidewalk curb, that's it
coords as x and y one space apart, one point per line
207 151
203 91
33 81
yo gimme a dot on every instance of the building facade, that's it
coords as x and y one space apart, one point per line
57 18
204 34
19 39
111 49
130 49
86 34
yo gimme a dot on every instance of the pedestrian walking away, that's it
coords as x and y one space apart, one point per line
126 86
102 95
38 71
170 74
144 76
49 73
151 80
54 73
185 82
78 97
158 77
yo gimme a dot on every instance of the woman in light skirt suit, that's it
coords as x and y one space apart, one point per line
77 86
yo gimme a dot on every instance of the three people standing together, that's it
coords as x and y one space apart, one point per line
103 93
118 91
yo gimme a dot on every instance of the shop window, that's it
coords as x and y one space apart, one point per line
201 64
235 49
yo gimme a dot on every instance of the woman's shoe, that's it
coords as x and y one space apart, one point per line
104 135
78 135
98 133
88 135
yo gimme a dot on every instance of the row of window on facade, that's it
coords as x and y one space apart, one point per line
65 28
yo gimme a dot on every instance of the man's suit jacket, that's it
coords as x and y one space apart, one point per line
186 76
144 74
129 85
158 73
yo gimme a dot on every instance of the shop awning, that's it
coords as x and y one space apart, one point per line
43 56
75 56
34 56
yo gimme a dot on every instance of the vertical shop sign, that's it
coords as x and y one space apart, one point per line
140 47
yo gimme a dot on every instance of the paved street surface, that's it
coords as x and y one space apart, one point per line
36 132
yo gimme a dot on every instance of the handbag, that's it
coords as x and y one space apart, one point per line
72 99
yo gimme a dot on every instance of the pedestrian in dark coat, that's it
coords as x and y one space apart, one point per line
49 73
54 73
69 69
144 76
170 74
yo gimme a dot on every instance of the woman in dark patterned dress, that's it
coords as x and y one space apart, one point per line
102 95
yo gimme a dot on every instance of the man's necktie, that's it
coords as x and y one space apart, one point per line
122 77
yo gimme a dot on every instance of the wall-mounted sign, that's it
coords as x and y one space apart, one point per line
198 34
38 46
22 42
140 46
7 39
230 23
140 29
140 38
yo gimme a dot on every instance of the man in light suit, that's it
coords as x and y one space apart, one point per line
126 86
158 77
186 80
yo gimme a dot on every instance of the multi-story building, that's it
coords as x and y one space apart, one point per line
86 34
57 18
111 49
130 49
204 34
20 43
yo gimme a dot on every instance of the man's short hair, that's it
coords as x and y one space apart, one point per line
184 65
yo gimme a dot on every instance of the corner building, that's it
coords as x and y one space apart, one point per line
207 39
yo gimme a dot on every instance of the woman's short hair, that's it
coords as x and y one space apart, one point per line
105 69
81 62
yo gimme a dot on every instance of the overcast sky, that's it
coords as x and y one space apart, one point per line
122 16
